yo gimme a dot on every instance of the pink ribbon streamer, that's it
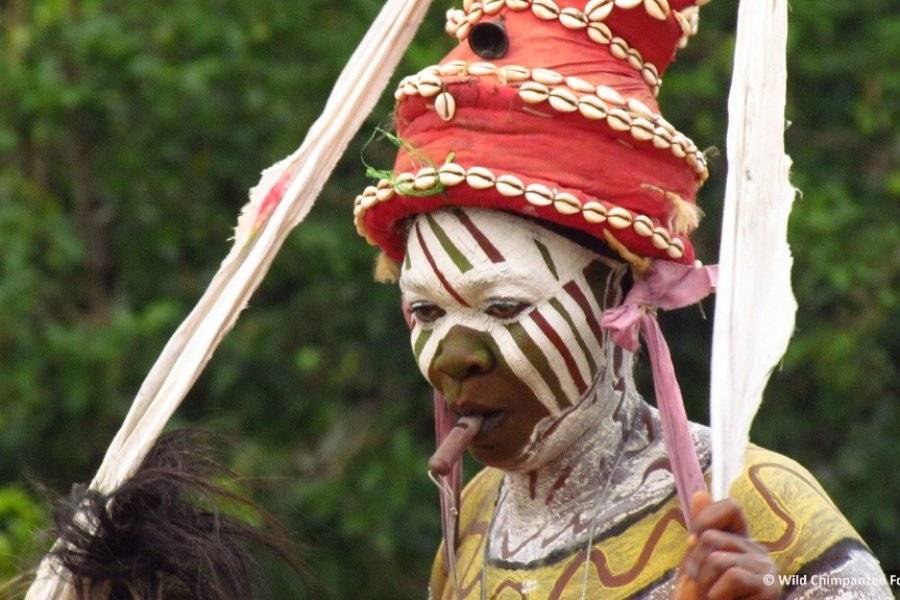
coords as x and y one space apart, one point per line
667 286
444 421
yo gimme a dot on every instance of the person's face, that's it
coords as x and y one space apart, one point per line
505 323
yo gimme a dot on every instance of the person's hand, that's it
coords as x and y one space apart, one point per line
722 563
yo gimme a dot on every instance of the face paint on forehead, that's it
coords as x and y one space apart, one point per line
475 268
457 252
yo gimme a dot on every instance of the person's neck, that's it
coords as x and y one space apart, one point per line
585 465
552 506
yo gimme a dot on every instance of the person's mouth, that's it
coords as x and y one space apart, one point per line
492 417
492 420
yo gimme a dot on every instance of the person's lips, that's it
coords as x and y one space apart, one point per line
492 420
493 417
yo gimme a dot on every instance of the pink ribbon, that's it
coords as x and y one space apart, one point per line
667 286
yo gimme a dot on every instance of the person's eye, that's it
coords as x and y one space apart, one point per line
426 312
505 309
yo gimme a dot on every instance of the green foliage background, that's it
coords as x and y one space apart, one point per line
129 135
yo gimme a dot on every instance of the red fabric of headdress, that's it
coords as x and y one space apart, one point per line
619 162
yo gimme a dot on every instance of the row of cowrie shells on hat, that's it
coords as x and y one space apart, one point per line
562 94
479 178
594 10
689 21
461 21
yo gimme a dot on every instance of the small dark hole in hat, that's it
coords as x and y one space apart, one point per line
489 40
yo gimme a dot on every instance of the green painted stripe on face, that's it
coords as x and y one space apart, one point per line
558 306
420 342
459 259
407 262
539 361
597 275
548 260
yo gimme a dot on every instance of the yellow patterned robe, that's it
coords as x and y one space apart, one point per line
786 510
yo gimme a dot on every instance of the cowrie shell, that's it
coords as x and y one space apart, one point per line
642 110
384 191
658 9
635 60
597 10
643 226
683 22
481 69
563 100
403 183
592 107
593 212
618 119
429 85
510 186
576 84
445 106
572 18
660 238
538 195
662 138
599 32
367 202
609 95
492 6
628 3
532 92
545 9
566 203
617 47
676 248
513 73
546 76
455 18
691 158
426 179
451 174
641 129
650 74
480 178
452 68
618 217
409 86
518 4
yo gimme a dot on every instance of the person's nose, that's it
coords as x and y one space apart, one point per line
463 353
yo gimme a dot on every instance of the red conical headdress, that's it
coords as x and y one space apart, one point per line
560 123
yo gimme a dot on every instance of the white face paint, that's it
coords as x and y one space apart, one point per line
530 294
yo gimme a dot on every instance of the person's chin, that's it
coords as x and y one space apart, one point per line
497 457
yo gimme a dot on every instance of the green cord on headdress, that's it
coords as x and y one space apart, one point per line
405 188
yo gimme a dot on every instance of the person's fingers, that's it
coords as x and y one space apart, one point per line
725 515
714 566
700 500
712 540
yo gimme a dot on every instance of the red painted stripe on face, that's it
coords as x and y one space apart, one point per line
578 296
486 246
560 345
437 271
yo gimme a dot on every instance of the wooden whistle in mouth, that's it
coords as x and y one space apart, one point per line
453 446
